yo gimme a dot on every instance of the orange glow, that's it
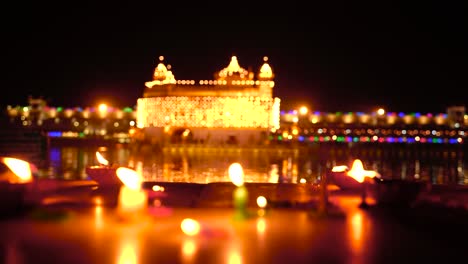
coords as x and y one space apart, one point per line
128 254
190 227
189 247
101 159
102 108
20 168
261 201
129 178
261 226
358 172
356 232
303 110
340 168
131 197
236 174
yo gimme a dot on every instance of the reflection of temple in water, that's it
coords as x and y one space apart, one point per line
236 107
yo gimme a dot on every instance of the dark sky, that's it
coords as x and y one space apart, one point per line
332 57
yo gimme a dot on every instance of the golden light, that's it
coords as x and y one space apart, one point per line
261 225
340 168
20 168
358 172
101 159
128 254
157 188
190 227
102 108
188 249
380 111
132 198
303 110
129 178
302 180
236 174
262 201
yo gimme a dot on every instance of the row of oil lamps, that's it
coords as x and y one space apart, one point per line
16 176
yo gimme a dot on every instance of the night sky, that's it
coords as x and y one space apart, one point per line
331 57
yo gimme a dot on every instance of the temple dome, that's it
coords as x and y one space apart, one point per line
162 75
233 71
265 71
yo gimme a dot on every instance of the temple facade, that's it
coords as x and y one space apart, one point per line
235 107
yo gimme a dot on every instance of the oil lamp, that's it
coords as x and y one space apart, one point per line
359 175
133 199
103 174
240 195
16 177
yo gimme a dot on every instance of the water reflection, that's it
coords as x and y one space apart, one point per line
435 164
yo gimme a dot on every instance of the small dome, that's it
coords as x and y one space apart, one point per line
233 69
265 71
162 75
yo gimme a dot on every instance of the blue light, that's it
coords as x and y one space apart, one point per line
301 138
401 114
54 134
453 141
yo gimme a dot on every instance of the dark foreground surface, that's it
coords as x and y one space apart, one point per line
74 222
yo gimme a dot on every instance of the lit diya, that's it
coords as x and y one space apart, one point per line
103 174
354 178
16 177
133 199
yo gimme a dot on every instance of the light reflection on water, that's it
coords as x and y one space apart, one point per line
436 164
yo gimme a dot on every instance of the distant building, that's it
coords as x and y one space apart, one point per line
236 107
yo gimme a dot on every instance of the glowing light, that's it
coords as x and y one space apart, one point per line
380 111
303 110
340 168
157 188
302 180
129 178
190 227
236 174
358 172
261 225
101 159
20 168
131 197
102 108
128 254
261 201
188 249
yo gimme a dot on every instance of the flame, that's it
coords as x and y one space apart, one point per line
358 172
340 168
236 174
129 178
101 159
21 168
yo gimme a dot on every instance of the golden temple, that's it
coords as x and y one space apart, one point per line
236 107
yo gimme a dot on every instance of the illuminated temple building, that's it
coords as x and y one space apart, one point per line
236 107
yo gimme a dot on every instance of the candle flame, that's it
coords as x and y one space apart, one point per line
101 159
129 178
236 174
340 168
358 172
20 168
